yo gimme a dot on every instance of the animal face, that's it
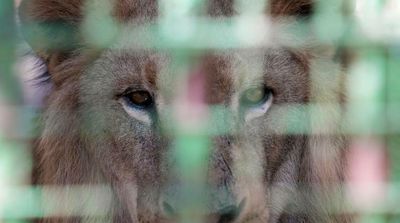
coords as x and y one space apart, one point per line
125 105
114 116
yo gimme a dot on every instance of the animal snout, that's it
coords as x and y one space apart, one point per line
224 213
229 213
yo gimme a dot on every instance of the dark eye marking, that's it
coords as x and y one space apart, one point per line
139 99
255 96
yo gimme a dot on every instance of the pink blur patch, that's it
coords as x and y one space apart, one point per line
192 109
196 89
367 173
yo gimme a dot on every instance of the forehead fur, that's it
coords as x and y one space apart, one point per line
72 13
51 10
224 73
126 10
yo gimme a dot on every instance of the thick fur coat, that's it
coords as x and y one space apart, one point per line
262 167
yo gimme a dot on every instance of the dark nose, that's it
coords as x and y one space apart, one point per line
229 213
226 214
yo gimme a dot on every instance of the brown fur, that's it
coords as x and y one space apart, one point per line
126 10
89 139
291 8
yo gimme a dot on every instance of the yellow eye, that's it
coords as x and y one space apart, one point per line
139 99
255 96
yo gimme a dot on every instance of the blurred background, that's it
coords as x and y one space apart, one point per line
368 31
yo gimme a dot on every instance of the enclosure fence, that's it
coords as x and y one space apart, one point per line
371 33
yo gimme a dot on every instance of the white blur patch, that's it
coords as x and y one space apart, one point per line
259 25
258 111
136 113
377 21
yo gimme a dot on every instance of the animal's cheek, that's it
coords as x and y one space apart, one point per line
128 148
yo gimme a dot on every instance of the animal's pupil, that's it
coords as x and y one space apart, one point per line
140 98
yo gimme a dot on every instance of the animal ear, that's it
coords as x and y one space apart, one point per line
51 27
296 8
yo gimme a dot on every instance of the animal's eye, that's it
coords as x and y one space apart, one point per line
255 96
139 99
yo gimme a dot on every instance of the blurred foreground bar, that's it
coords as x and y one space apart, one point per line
14 158
9 89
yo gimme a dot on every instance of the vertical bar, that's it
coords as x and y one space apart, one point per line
366 110
191 144
8 84
366 93
14 157
393 111
99 27
329 20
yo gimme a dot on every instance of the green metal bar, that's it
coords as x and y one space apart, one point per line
393 120
9 87
184 36
190 148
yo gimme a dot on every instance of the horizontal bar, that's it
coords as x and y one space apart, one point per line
95 200
200 33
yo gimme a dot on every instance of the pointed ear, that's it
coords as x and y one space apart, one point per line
51 27
296 8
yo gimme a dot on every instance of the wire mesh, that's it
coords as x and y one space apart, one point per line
371 36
